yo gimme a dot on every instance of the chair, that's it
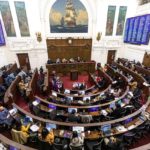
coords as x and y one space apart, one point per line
57 146
77 147
98 146
43 145
129 137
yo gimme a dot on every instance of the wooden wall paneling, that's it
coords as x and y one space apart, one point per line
60 48
146 60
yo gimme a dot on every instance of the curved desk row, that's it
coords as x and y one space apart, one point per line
45 110
10 70
140 80
82 124
10 143
84 107
90 92
142 70
138 119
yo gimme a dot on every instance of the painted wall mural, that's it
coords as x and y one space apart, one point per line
2 39
121 20
22 18
68 16
110 20
7 18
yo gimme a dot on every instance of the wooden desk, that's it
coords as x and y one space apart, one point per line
33 84
140 80
84 107
66 67
73 74
142 70
136 122
9 142
11 93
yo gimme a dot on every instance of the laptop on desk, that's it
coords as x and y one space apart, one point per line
106 129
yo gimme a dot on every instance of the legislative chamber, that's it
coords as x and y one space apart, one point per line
75 75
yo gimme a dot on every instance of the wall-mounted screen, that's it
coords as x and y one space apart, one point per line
137 30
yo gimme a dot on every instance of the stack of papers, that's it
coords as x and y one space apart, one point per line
35 103
131 94
131 127
146 84
104 112
13 111
34 128
121 128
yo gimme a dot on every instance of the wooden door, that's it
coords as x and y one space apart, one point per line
111 56
24 60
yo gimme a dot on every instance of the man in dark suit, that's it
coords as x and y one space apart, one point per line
73 117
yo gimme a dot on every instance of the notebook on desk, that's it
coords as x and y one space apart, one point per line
121 128
13 111
34 128
131 127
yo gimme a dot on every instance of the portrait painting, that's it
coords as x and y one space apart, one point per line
110 20
22 18
7 18
121 20
68 16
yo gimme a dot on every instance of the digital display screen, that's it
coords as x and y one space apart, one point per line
137 30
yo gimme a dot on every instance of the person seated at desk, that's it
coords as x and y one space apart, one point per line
57 84
102 82
71 60
77 140
41 70
108 97
64 60
18 135
86 118
99 66
78 59
5 117
133 85
22 74
112 143
9 79
73 117
47 136
22 87
2 89
119 83
58 61
49 61
118 111
147 78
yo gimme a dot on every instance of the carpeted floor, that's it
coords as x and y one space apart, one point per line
68 85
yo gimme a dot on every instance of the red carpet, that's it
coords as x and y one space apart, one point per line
81 78
68 85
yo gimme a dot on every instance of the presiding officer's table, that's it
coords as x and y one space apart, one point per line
66 67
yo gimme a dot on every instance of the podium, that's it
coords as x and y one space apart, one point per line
73 74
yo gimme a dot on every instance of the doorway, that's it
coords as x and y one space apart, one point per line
23 59
111 56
